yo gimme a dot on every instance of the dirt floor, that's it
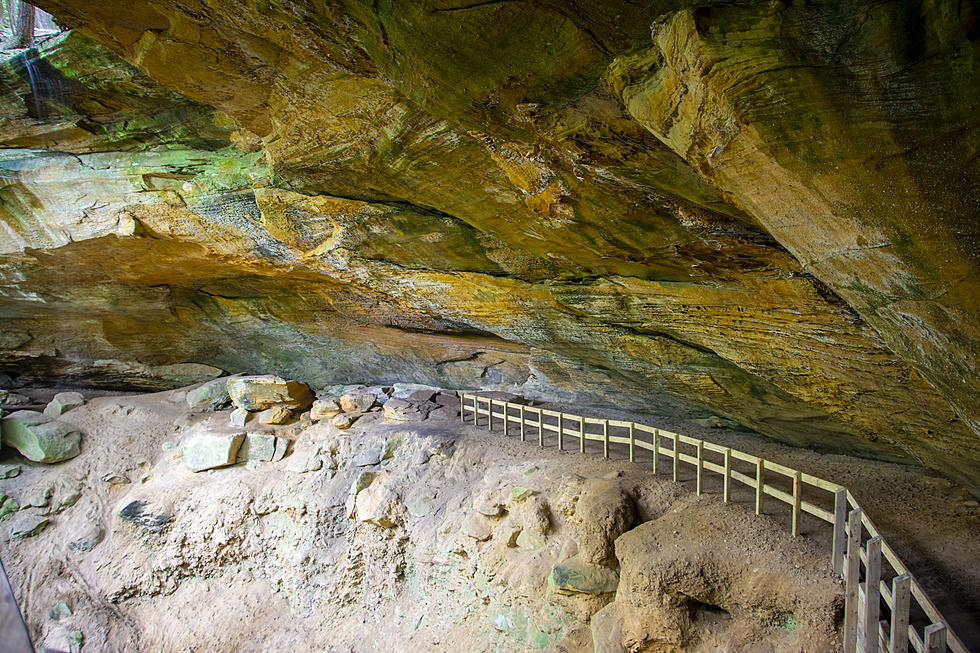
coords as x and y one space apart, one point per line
435 552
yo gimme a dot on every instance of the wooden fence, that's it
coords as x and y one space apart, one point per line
883 601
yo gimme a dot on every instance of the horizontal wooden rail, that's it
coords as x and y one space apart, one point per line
849 557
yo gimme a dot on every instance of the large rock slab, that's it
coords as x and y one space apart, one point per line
261 392
209 448
62 403
39 438
210 396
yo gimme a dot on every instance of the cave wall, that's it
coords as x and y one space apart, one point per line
763 210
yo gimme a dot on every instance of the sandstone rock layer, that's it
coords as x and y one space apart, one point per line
766 212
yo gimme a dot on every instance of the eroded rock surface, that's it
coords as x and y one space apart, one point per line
764 212
400 536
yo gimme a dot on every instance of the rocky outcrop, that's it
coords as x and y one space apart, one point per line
392 537
763 212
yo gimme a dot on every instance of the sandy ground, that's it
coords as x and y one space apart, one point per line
932 524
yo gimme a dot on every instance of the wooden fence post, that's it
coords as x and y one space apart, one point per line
581 434
677 458
760 484
462 419
726 490
632 440
797 502
901 592
852 571
935 638
656 448
605 437
490 414
540 428
872 595
700 467
561 432
476 409
840 532
523 425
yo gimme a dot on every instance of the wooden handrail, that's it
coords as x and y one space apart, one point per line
847 518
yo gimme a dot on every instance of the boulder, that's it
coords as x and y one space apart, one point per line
14 399
63 402
275 415
210 396
324 409
255 393
344 420
577 576
400 410
210 448
257 446
378 504
357 402
405 390
39 438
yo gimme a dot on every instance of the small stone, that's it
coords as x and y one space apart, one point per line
59 611
368 457
115 478
260 392
37 498
210 396
27 526
208 449
324 409
146 515
8 506
361 482
575 575
257 446
487 505
60 639
69 500
39 438
239 417
530 540
478 527
275 415
357 402
9 472
344 420
519 493
63 402
86 539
